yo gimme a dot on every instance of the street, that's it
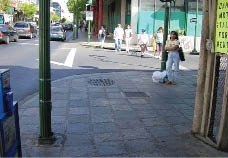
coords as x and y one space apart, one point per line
69 58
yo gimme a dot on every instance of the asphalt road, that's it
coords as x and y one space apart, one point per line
69 58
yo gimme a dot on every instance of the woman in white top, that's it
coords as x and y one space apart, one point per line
159 41
143 41
101 36
128 36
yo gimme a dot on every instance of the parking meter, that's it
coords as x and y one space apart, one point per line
10 142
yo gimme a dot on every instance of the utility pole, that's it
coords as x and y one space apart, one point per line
166 21
74 21
89 32
45 105
77 19
194 51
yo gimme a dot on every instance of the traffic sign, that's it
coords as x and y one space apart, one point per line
193 20
89 15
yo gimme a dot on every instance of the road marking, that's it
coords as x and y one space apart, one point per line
69 59
28 44
180 66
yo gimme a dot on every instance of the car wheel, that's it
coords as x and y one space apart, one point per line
7 41
16 38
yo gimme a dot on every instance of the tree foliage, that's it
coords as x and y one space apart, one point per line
81 5
28 9
4 5
55 17
63 20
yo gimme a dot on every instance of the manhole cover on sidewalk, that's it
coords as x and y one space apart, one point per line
135 94
101 82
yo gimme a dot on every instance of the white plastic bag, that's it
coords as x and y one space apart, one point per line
158 76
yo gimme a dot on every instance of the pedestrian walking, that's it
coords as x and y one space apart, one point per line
101 36
159 41
171 47
118 36
128 36
143 41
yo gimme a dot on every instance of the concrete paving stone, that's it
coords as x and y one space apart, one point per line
78 119
34 102
31 112
140 146
183 152
126 86
78 140
121 108
129 124
125 115
99 102
137 101
148 113
141 107
79 111
182 128
113 89
29 129
113 95
176 120
61 84
60 96
104 127
58 119
78 128
26 151
155 153
100 110
189 101
182 106
80 151
100 138
187 113
59 103
77 96
118 101
161 131
46 152
79 103
96 89
58 111
60 90
129 89
79 90
111 149
29 120
27 140
59 128
137 133
169 113
149 122
161 106
102 118
96 95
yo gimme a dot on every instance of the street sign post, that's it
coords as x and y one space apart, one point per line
89 15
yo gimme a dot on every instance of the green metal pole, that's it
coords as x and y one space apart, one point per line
89 32
46 135
166 21
77 20
74 21
194 51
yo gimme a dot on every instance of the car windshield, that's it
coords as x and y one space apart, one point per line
21 25
56 29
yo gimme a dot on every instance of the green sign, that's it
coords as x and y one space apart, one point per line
221 37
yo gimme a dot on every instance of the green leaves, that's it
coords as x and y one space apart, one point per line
55 17
28 9
4 5
72 4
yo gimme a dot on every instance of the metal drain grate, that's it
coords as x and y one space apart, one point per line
135 94
101 82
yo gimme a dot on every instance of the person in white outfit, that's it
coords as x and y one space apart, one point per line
143 41
118 36
159 41
128 36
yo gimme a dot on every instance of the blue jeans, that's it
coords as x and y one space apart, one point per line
118 43
173 58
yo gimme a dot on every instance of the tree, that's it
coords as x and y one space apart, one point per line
4 5
55 17
28 9
81 5
63 20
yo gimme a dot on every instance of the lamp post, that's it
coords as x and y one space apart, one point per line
77 19
74 21
194 51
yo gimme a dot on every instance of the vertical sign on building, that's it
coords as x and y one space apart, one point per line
221 38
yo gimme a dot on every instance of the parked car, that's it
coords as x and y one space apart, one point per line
57 33
8 34
25 29
68 27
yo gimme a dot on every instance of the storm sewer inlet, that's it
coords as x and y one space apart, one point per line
101 82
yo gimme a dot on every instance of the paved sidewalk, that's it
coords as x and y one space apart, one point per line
116 114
